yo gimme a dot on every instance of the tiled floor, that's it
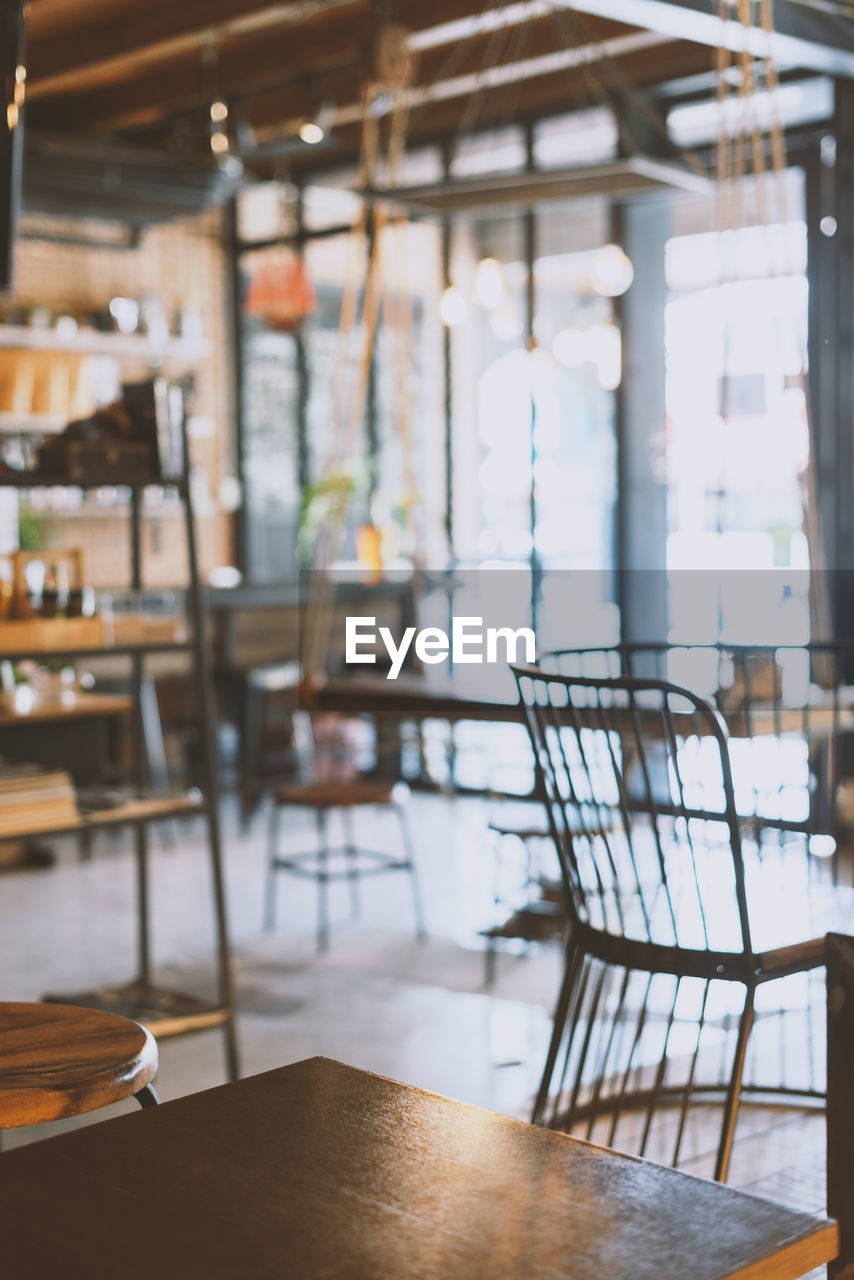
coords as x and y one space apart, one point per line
378 999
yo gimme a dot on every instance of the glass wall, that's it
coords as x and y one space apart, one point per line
302 384
738 432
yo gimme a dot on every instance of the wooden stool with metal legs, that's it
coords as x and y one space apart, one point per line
322 798
62 1060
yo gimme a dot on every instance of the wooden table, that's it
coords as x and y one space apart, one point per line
319 1170
420 698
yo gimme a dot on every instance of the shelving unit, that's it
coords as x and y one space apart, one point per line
165 1012
36 424
95 342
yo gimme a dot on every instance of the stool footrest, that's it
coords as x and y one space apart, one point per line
310 864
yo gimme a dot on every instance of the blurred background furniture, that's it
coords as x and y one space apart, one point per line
328 783
256 634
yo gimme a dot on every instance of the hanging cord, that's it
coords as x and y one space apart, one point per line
611 88
350 391
498 44
741 135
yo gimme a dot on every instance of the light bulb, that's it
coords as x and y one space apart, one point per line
505 323
452 308
489 284
219 111
568 348
311 132
612 272
604 349
219 143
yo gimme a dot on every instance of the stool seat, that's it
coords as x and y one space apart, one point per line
62 1060
338 794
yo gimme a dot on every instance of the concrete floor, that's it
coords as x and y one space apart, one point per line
379 999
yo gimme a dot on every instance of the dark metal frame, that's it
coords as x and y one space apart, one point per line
831 663
202 671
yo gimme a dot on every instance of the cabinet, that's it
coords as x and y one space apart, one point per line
164 1012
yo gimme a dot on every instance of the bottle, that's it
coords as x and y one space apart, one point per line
50 593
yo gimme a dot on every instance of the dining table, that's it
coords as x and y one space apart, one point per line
322 1171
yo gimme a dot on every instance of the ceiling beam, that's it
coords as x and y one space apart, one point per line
437 123
281 113
319 60
805 36
109 46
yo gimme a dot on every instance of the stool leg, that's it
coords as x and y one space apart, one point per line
322 882
352 862
148 1097
489 965
420 927
272 851
251 733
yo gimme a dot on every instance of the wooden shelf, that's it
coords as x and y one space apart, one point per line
31 423
114 511
83 707
94 342
163 1012
101 651
45 480
133 812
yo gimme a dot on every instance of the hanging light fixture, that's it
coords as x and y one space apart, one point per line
568 348
311 132
489 284
314 130
612 272
506 323
603 348
452 307
13 108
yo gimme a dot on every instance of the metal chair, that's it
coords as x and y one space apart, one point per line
61 1060
322 796
677 921
789 709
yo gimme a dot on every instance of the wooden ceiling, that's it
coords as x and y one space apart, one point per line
143 72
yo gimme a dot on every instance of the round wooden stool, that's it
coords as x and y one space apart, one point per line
60 1060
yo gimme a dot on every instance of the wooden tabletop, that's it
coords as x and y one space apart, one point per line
419 698
320 1170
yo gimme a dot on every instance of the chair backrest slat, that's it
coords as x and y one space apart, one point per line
641 805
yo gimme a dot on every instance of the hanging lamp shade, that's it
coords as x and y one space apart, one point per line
280 292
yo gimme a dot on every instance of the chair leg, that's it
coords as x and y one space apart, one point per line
489 965
148 1097
272 851
559 1023
420 926
734 1091
251 729
352 862
322 882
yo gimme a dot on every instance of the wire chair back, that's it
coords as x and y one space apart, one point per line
789 711
636 778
